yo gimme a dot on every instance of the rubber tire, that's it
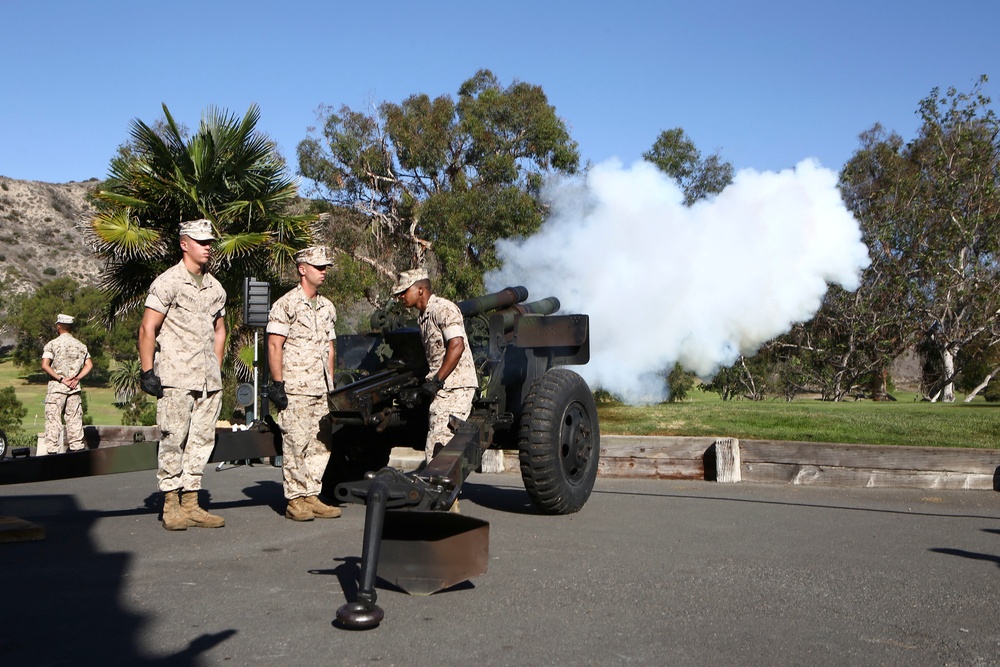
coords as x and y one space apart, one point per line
4 445
559 442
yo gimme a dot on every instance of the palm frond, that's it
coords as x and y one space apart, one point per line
119 234
239 245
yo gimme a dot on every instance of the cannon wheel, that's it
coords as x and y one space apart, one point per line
559 442
3 445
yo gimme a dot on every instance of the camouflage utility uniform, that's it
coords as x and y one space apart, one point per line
440 322
67 356
308 330
189 371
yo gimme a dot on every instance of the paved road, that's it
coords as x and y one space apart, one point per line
649 573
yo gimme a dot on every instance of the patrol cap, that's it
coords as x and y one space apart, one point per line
406 279
199 230
315 255
63 318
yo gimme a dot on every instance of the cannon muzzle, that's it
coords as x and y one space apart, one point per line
541 307
503 299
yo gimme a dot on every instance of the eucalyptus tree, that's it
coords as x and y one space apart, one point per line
439 178
930 209
675 154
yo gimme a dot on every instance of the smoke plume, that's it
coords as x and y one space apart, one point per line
664 283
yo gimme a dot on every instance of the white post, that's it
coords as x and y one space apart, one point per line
727 460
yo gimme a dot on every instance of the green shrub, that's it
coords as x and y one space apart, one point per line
49 271
12 411
680 382
992 391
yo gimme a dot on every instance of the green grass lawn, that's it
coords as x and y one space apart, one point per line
903 422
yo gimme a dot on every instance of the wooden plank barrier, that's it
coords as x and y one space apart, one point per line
787 462
873 466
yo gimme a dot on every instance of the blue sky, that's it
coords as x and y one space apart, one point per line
765 83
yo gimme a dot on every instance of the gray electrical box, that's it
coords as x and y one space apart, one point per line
256 302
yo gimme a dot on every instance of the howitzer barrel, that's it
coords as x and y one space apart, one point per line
503 299
541 307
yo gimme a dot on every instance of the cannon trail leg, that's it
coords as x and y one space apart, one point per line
363 613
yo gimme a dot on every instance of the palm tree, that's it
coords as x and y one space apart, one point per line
125 380
227 172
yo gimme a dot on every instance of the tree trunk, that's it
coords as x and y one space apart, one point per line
948 391
982 385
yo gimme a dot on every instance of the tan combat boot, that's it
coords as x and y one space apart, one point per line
195 515
298 510
320 509
173 517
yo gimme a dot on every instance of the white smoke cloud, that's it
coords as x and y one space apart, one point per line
664 283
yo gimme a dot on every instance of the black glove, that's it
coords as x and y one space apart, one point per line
150 383
431 387
278 396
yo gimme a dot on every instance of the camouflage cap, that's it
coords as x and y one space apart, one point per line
199 230
63 318
315 255
406 279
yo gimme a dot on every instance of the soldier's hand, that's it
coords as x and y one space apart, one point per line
431 387
150 383
278 396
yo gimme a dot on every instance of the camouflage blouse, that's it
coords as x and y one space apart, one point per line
66 357
308 333
185 347
440 322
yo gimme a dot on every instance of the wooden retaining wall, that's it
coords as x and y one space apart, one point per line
775 462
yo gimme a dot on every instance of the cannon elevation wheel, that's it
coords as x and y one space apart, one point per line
559 442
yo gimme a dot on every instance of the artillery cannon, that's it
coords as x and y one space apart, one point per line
525 401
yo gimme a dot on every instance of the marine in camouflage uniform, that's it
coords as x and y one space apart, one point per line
301 359
66 361
183 324
452 374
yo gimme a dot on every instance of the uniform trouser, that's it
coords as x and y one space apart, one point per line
446 403
187 435
305 450
58 406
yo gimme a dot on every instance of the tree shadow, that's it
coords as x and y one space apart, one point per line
61 595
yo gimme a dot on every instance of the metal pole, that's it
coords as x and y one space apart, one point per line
255 370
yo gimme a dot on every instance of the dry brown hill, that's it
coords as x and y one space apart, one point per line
42 233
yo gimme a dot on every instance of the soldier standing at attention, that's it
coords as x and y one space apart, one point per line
302 354
66 361
451 380
182 340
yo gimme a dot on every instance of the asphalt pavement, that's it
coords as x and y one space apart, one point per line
650 572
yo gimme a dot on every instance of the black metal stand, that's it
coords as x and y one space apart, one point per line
363 613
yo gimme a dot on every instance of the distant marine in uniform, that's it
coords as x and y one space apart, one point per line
66 361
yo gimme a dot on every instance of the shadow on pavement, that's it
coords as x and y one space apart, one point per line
61 595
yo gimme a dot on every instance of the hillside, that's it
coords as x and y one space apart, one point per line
42 233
